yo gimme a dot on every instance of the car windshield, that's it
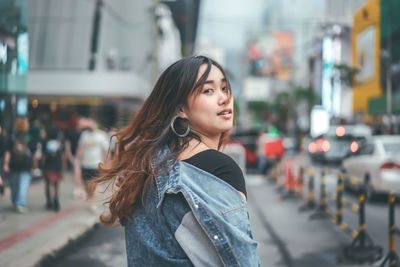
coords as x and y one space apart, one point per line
392 148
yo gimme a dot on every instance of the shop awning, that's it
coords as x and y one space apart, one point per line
377 106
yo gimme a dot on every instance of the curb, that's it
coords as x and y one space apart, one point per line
48 259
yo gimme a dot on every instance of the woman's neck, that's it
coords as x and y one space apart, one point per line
195 146
211 143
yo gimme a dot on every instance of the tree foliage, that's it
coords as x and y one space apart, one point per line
347 74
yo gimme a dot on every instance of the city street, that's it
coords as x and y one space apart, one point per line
304 95
286 236
376 210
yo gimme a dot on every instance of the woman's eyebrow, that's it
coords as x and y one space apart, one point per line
212 81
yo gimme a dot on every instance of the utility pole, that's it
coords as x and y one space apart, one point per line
95 35
389 71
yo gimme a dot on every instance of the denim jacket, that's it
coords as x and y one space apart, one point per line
190 218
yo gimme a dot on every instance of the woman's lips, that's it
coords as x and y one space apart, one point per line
226 113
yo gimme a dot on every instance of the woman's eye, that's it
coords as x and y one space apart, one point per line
207 91
224 88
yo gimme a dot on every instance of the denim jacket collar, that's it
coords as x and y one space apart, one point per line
169 176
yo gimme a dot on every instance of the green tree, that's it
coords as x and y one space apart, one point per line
347 74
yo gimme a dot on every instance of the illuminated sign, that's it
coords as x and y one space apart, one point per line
23 52
3 53
319 121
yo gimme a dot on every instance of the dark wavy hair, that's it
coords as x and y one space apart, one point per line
130 170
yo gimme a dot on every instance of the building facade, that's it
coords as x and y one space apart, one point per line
14 43
86 54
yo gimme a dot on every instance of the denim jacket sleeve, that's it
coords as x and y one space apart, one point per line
188 233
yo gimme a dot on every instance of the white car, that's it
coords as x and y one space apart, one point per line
376 165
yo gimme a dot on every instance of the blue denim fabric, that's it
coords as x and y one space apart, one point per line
218 208
20 181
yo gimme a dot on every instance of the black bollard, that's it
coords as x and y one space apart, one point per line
310 204
339 199
321 211
392 258
362 249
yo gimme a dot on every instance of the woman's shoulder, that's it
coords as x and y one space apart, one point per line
214 157
213 153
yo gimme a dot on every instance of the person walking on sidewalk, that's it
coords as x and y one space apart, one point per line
3 145
92 149
52 159
71 144
18 160
1 187
182 201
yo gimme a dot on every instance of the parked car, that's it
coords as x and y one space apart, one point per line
316 147
345 140
338 143
376 165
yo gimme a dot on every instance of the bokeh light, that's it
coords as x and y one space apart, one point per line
354 147
312 147
340 131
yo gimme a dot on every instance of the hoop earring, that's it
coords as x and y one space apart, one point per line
175 132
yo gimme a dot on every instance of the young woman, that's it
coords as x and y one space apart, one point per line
52 158
181 200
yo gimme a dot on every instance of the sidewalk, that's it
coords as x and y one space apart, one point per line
26 239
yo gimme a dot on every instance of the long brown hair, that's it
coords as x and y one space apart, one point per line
137 144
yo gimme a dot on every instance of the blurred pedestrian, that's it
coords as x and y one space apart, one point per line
262 162
35 129
92 150
3 145
18 160
181 200
71 144
1 187
52 159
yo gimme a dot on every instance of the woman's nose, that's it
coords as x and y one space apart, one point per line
224 97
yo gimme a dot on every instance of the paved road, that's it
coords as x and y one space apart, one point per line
286 237
377 212
103 247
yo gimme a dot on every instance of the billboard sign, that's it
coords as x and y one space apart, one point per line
271 55
366 54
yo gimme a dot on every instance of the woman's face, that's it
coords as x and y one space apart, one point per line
210 113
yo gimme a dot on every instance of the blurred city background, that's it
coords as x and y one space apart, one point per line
65 59
316 85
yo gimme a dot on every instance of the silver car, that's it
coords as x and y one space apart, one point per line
376 165
341 138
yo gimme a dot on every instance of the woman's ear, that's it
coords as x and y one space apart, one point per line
182 113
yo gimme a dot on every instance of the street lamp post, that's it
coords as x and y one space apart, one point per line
389 92
385 56
389 71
